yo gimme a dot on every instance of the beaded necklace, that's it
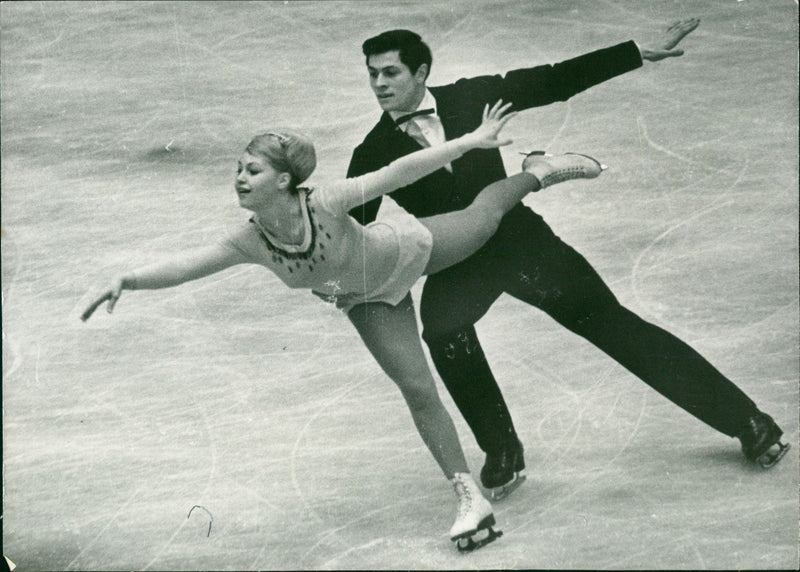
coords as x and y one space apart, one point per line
292 259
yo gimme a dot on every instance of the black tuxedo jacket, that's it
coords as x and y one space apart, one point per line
460 107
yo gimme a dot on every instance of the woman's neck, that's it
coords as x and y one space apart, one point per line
284 221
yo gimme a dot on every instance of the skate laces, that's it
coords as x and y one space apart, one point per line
561 174
464 497
556 171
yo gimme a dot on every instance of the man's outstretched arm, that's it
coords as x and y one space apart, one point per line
545 84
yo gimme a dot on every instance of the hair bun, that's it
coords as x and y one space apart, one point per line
298 150
300 153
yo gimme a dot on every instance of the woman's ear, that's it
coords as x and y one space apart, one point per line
285 180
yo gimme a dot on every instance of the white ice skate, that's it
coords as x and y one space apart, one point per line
474 516
553 169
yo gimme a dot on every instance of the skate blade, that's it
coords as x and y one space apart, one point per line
499 493
487 522
478 540
771 457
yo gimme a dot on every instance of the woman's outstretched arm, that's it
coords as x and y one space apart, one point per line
178 269
412 167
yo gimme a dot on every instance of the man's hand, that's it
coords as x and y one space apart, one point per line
665 47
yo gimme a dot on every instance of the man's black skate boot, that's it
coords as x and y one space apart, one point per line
759 438
501 471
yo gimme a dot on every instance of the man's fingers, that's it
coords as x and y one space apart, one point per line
662 54
679 30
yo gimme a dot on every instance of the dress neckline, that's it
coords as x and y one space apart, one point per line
288 250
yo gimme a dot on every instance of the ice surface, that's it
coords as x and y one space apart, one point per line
122 123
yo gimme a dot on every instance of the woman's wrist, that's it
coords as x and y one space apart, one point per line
466 143
129 281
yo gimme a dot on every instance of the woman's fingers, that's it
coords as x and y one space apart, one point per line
87 313
498 109
507 118
112 301
502 111
116 292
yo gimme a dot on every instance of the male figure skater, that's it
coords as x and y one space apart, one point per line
558 280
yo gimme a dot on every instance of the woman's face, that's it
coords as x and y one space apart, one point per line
257 182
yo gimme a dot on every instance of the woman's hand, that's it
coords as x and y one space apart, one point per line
112 294
494 119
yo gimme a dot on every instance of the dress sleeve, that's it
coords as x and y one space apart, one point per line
401 172
363 161
190 265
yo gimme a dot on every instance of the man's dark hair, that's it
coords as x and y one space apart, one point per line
413 51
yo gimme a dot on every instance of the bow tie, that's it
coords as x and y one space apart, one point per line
404 118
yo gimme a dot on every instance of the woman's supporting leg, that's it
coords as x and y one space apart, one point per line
458 234
391 335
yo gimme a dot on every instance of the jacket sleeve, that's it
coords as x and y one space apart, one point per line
549 83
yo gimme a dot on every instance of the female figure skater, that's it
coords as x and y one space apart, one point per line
307 238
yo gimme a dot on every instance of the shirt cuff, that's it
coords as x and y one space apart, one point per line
635 43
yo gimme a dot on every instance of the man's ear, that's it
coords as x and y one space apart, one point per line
422 73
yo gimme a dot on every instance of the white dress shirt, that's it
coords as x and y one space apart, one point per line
427 130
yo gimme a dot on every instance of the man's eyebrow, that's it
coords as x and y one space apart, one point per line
390 66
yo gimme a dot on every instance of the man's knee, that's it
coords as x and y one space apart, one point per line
453 345
591 319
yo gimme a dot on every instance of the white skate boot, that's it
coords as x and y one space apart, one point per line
474 516
553 169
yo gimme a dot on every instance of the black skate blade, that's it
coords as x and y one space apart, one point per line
771 457
499 493
470 544
487 522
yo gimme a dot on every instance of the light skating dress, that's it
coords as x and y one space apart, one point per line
379 262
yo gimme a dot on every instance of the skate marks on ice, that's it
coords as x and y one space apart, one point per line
204 425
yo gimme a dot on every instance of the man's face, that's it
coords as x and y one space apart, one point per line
396 88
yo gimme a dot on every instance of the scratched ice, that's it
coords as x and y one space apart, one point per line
122 123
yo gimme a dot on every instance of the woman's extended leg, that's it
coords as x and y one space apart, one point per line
458 234
391 335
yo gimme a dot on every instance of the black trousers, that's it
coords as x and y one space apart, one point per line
528 261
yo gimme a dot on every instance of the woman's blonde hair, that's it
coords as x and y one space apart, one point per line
288 151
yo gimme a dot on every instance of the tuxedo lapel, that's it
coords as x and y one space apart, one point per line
448 113
398 142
